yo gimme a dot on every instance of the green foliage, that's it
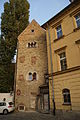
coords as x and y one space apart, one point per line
13 21
6 78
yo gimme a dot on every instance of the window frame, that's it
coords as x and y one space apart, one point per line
59 32
63 60
32 77
77 20
66 96
32 44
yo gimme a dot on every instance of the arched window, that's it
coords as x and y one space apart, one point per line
66 96
29 45
34 76
30 76
32 45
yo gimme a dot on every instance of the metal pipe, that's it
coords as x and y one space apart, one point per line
51 68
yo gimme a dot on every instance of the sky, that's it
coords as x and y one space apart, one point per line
42 10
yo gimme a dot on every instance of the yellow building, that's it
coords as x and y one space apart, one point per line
63 47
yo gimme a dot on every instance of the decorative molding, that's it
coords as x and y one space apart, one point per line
56 24
78 28
60 49
22 59
21 77
75 12
77 41
67 70
33 60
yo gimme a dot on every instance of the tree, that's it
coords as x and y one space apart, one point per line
13 21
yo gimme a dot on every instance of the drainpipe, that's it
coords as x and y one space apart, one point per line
51 69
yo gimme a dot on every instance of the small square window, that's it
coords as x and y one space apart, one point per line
59 31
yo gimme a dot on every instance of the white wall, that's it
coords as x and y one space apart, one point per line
7 96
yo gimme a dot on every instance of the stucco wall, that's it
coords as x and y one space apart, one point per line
70 80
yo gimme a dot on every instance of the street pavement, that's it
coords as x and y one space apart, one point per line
38 116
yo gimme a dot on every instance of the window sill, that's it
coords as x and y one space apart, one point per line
76 29
67 104
59 38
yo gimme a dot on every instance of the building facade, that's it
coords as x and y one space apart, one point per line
31 68
63 46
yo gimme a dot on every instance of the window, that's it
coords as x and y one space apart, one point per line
28 45
34 76
30 76
32 30
32 45
2 104
77 18
63 62
66 96
59 31
21 108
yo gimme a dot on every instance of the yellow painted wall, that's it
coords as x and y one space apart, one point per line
70 80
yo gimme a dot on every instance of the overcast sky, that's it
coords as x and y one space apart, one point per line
42 10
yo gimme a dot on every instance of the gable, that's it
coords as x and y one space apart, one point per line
33 29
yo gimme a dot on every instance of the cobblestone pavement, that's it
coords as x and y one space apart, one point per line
38 116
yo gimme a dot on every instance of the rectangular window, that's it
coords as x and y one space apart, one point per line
63 62
77 18
59 31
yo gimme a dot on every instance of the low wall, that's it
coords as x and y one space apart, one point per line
8 96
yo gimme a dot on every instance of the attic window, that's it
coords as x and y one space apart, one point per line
32 30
